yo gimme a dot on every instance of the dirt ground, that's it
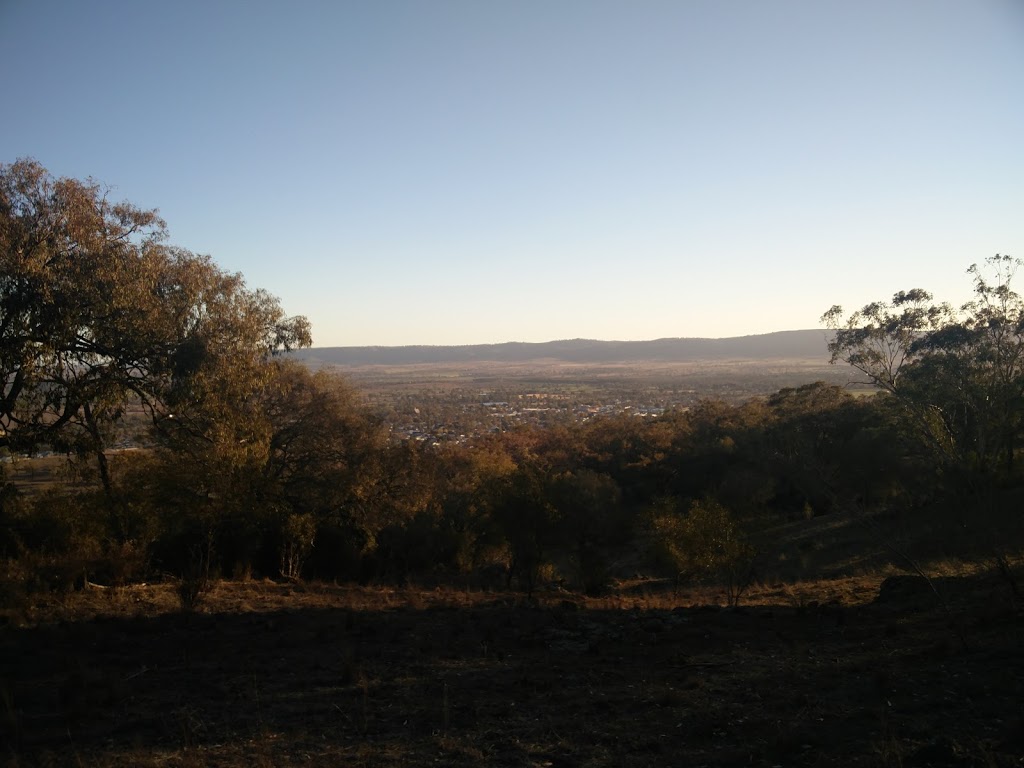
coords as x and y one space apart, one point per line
834 673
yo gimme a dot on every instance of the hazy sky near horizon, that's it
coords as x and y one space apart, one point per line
457 172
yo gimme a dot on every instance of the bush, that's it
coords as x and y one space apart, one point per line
705 542
298 534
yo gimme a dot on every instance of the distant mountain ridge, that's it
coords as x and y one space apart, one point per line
781 345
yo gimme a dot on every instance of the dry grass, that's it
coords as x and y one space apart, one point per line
42 473
809 673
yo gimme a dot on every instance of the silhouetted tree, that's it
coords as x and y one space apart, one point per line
958 375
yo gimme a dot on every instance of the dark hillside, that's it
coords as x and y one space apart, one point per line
282 674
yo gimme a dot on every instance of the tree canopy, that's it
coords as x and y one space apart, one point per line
97 311
959 374
254 463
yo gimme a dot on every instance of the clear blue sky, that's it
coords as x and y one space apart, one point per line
436 172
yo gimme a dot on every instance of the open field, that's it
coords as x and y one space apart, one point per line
824 673
39 473
421 396
705 377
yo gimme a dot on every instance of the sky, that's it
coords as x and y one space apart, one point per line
474 171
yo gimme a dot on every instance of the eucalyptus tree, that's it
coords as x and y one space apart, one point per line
959 374
98 313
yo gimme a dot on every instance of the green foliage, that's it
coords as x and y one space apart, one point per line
254 464
705 541
98 314
958 375
822 444
55 541
308 461
527 519
592 524
298 534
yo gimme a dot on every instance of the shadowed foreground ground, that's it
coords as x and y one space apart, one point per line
275 675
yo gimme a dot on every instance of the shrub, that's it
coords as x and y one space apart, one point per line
705 542
298 534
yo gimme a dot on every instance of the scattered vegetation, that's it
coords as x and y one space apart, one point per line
189 461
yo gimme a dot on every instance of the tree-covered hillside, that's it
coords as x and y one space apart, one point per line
251 464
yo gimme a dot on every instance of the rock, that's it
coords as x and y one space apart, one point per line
905 589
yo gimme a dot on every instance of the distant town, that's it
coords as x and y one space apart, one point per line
438 394
536 409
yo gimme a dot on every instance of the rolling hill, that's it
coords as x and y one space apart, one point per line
782 345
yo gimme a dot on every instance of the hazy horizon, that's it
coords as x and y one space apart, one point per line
580 338
459 173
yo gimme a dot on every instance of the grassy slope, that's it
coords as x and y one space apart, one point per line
816 672
815 669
